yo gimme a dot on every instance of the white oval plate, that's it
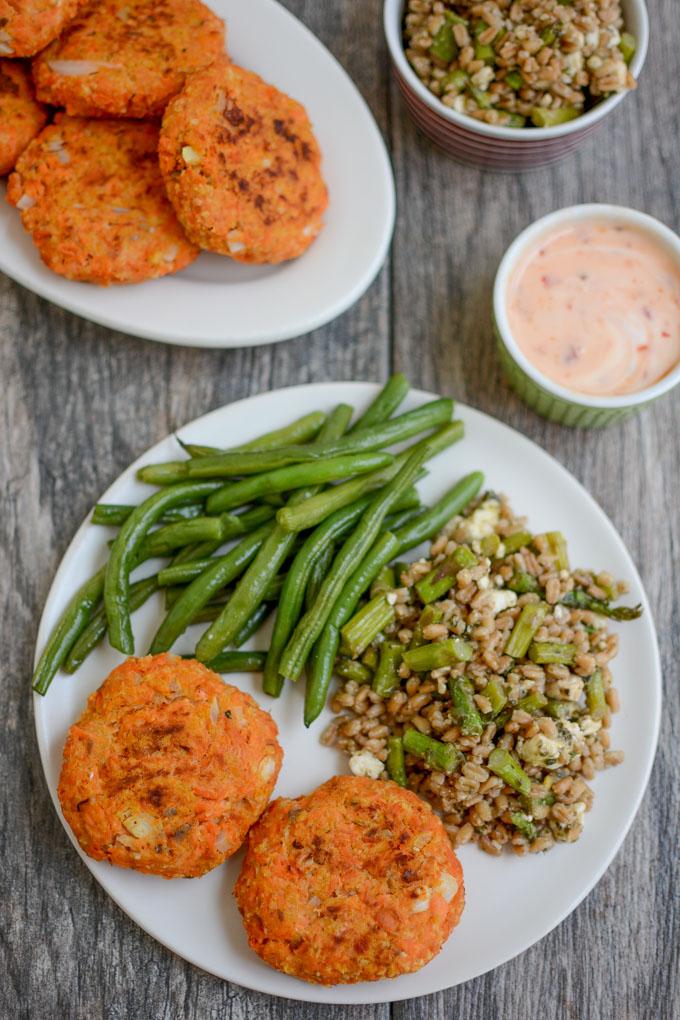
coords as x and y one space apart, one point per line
198 918
219 303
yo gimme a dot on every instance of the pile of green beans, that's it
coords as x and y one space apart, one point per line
304 520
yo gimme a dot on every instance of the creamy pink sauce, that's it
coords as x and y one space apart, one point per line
596 308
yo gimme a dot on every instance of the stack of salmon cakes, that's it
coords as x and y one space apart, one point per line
158 147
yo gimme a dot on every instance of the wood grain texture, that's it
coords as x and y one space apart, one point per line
80 402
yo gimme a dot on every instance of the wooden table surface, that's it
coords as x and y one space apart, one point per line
81 402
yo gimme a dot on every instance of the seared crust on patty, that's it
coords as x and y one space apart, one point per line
241 165
127 58
355 882
26 26
21 117
167 768
92 197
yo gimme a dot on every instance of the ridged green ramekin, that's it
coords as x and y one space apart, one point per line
545 397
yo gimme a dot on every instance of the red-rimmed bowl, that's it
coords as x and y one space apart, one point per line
486 145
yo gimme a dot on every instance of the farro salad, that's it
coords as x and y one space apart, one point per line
518 63
480 678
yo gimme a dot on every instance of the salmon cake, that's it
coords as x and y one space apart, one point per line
355 882
26 26
21 117
167 768
127 58
91 195
242 166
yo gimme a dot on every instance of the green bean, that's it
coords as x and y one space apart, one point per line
266 564
237 662
197 594
443 45
437 582
364 626
438 654
514 80
385 581
72 623
513 543
302 430
543 652
325 651
95 631
410 535
320 568
526 625
182 533
439 756
316 509
507 768
333 528
396 768
579 599
253 623
596 702
494 693
386 677
115 514
349 669
249 462
124 555
395 522
387 401
557 544
352 552
295 477
184 573
451 503
465 712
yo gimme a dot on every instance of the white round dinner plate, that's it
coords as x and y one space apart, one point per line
511 902
216 302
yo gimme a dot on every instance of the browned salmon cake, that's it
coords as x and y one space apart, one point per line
355 882
92 197
167 768
127 58
26 26
242 166
21 117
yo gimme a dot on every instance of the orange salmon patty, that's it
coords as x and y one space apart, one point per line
127 58
355 882
21 116
26 26
242 166
167 768
92 197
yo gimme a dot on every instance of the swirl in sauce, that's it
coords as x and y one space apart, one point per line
596 308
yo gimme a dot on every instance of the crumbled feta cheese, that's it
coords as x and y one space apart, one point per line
483 78
589 727
593 38
573 63
500 600
391 598
483 583
540 750
363 763
482 522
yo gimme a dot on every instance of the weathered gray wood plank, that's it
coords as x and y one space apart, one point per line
81 402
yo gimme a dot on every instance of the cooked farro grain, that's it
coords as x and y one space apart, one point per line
549 708
519 62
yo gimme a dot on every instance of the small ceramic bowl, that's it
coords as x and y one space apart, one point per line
546 397
486 145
